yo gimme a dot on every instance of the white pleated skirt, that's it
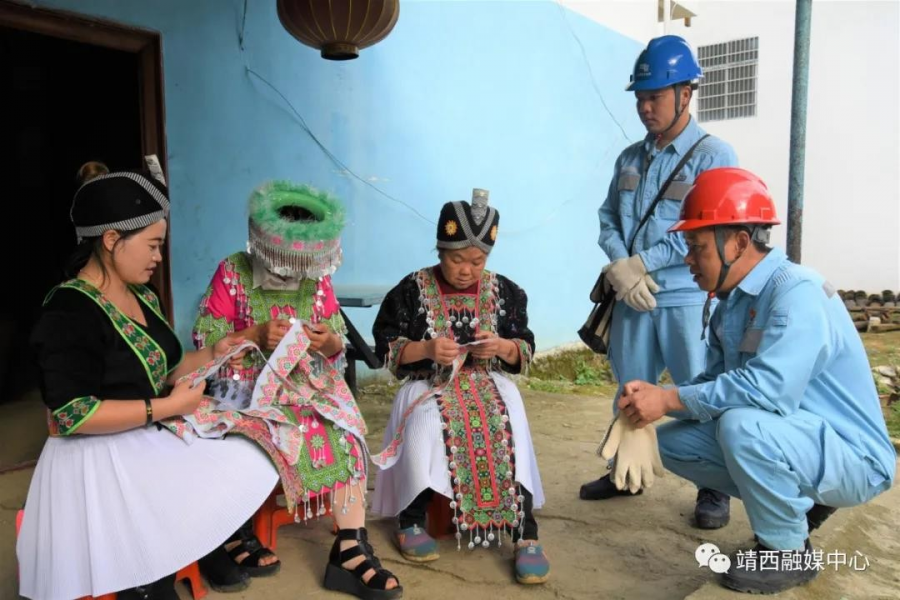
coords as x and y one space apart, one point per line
423 461
109 512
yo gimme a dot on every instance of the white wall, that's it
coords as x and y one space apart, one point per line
851 219
634 18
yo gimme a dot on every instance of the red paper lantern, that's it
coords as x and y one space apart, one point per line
339 28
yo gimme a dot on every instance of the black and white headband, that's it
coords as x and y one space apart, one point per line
124 200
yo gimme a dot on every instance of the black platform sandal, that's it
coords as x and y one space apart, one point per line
222 573
249 544
340 579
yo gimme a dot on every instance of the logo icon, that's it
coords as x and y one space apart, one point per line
708 555
704 553
719 564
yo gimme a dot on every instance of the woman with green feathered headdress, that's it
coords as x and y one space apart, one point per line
285 276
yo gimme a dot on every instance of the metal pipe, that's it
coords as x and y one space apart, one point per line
802 29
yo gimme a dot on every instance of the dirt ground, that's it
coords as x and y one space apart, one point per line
623 548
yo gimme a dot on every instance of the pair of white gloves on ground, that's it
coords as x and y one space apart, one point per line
632 283
636 454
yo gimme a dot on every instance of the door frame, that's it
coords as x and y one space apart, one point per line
147 45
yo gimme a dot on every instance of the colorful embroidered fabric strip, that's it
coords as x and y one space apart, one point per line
66 419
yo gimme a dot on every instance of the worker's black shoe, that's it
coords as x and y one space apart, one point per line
713 509
603 489
765 571
817 515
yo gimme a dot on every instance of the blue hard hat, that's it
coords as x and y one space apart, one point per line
666 61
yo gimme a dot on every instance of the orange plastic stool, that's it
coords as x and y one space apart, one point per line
439 524
19 516
271 516
191 573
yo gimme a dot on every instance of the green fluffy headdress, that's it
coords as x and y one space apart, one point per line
295 229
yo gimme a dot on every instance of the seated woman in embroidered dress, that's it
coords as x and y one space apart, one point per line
284 282
458 426
117 504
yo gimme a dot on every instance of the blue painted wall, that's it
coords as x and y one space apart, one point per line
503 95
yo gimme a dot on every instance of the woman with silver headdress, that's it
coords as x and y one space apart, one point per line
279 295
458 426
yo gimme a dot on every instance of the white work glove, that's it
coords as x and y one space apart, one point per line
624 274
640 297
636 454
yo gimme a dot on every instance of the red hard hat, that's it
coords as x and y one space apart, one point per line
726 196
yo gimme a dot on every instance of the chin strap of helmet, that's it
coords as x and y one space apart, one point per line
678 108
757 234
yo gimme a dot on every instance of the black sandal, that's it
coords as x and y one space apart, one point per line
340 579
222 574
250 545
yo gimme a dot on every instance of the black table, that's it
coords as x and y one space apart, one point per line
359 296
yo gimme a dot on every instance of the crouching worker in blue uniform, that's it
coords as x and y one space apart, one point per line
785 415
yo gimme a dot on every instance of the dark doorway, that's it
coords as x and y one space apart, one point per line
65 103
72 89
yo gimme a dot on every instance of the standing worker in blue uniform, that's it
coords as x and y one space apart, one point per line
785 415
659 307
